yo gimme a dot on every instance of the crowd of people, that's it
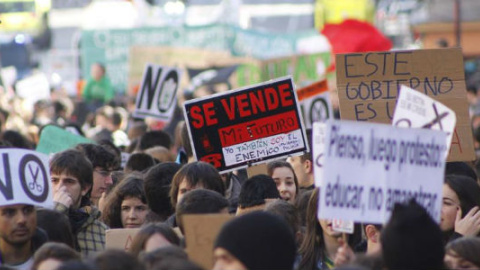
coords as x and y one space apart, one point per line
274 224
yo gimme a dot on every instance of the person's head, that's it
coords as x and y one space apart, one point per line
463 253
154 138
285 179
18 223
56 225
157 183
152 259
160 153
103 162
139 162
200 201
137 130
51 255
303 165
97 71
288 212
256 190
126 206
153 236
302 203
256 240
70 170
459 193
16 139
460 168
412 239
176 263
113 259
195 175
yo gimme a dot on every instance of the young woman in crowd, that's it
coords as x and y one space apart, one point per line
153 236
285 179
463 253
126 206
51 255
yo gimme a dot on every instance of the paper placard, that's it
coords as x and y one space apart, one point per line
157 96
369 167
368 86
315 103
54 139
416 110
342 226
200 234
247 126
24 178
120 238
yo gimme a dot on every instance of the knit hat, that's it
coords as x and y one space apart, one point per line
412 239
259 240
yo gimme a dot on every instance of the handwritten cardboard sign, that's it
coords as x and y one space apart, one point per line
315 103
417 110
54 139
200 234
246 126
369 84
157 96
120 238
24 178
369 167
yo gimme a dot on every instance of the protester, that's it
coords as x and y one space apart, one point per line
285 179
153 259
153 236
154 138
113 259
256 192
72 178
463 253
57 226
98 90
139 162
126 206
303 167
288 212
51 255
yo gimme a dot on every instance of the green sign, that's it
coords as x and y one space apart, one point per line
54 139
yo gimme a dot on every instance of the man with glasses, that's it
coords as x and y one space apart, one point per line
103 162
72 179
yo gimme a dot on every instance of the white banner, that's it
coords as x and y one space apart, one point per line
369 167
318 136
24 178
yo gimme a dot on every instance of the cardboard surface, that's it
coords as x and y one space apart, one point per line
200 234
257 169
120 238
368 85
315 103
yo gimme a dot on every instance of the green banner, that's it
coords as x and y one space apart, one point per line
54 139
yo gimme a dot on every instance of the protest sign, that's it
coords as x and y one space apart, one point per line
369 167
246 126
200 234
33 88
24 178
318 136
315 103
416 110
54 139
368 86
342 226
120 238
157 96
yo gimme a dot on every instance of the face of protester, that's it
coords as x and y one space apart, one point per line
96 72
49 264
224 260
102 179
284 179
327 228
450 204
156 241
299 169
72 187
454 261
134 212
185 187
17 224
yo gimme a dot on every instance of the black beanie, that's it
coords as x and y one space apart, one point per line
259 240
412 239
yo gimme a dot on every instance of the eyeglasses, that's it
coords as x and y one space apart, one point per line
104 173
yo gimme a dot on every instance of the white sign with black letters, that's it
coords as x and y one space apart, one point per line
368 167
417 110
157 96
24 178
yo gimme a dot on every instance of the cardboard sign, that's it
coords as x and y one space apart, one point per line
342 226
368 86
157 96
24 178
246 126
120 238
318 151
315 103
416 110
54 139
369 167
200 234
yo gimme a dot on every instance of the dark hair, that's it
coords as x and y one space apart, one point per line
185 141
154 138
56 225
142 236
112 259
139 162
109 145
271 166
156 257
301 202
16 139
58 251
256 189
195 173
98 155
157 183
76 265
130 186
175 263
466 248
467 190
287 212
199 201
460 168
74 163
